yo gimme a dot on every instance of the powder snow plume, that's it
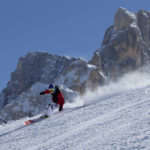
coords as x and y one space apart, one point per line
129 81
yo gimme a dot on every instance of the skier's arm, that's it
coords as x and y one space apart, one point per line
45 92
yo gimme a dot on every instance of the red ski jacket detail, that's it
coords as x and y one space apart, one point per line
59 99
47 92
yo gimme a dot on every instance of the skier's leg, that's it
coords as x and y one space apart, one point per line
44 113
48 111
55 106
61 107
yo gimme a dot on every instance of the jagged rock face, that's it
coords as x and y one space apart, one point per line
143 22
123 19
96 77
34 67
96 60
80 75
126 44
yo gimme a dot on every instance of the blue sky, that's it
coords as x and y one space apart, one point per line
65 27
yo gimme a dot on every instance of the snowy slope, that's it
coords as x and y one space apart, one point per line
118 120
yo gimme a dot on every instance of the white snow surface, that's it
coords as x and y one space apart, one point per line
115 117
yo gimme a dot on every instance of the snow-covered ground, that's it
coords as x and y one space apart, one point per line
115 120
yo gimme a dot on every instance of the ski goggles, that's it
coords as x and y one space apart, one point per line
51 90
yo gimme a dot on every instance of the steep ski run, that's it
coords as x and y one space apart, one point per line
118 121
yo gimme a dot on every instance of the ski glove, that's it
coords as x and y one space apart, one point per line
42 93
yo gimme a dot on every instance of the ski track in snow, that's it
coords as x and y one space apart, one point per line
117 122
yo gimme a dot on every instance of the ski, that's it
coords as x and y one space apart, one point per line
29 122
56 113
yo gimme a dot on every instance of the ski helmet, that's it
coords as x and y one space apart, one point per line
51 88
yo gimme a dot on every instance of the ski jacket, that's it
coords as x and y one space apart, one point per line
57 96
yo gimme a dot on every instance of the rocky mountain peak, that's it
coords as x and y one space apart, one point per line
126 44
123 19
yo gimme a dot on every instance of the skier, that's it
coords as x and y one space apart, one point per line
57 96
